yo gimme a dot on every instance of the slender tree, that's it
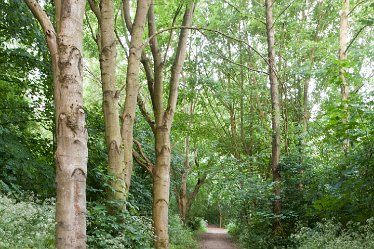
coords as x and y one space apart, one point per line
275 115
343 42
161 127
106 43
65 47
164 119
119 139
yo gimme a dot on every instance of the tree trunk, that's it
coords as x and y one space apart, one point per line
164 119
108 53
132 89
274 91
343 41
183 189
71 134
161 186
71 153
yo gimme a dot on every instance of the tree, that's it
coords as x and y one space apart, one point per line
119 139
275 115
65 47
343 42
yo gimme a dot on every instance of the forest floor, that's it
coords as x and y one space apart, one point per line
216 238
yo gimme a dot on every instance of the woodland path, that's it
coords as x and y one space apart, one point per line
216 238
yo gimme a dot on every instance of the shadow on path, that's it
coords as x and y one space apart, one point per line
216 238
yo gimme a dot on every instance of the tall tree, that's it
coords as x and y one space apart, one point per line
343 42
119 139
275 117
161 127
164 119
65 47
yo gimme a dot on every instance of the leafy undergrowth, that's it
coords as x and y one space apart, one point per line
332 235
26 224
181 237
329 234
30 224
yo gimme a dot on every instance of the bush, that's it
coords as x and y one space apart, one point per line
332 235
198 224
26 224
117 231
180 236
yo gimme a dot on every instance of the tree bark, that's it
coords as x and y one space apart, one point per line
108 53
132 89
164 119
274 91
71 153
343 41
183 189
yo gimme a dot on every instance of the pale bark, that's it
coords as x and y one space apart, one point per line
71 153
306 114
182 195
108 53
182 198
161 171
119 139
274 91
343 41
132 88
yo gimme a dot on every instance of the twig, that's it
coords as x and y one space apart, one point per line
359 3
276 19
209 30
354 38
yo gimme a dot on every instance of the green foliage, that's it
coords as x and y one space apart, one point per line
26 224
332 235
181 237
118 230
198 224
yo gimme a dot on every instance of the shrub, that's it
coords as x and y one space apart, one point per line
332 235
118 231
180 236
198 224
26 224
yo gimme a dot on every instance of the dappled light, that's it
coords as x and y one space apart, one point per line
210 124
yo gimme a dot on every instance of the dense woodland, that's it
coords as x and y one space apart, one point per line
133 124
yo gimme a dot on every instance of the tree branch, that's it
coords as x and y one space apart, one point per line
241 65
200 29
179 58
95 9
147 163
146 114
359 3
171 33
91 30
158 87
127 14
276 19
354 38
138 159
50 35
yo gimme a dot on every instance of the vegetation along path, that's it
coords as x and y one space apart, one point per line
216 238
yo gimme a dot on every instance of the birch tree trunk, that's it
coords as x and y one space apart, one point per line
343 41
274 91
71 133
108 53
164 119
183 188
132 89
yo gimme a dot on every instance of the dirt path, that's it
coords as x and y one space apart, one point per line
216 238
